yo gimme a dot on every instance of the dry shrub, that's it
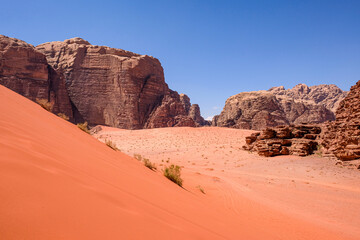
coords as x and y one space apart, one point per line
110 144
84 127
63 116
149 164
44 103
173 174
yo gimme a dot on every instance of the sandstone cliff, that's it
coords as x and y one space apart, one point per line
342 136
98 84
25 70
277 106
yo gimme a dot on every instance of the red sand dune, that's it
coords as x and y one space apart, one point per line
57 182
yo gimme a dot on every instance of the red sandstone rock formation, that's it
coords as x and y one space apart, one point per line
342 136
301 140
277 106
26 71
98 84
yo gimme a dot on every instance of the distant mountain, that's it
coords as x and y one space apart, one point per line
279 106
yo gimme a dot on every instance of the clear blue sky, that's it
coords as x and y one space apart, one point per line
209 49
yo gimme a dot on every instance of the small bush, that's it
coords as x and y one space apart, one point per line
110 144
63 116
138 157
84 127
200 188
44 103
149 164
173 174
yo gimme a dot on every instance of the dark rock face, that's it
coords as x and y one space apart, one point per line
25 70
301 140
277 106
170 113
342 136
101 85
108 86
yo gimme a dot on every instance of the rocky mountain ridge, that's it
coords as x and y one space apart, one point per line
279 106
97 84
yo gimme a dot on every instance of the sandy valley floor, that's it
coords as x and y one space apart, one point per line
280 190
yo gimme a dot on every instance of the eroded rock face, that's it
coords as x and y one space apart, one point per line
277 106
342 136
108 86
300 140
327 95
170 113
25 70
97 84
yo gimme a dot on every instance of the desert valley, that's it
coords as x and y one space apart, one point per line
88 133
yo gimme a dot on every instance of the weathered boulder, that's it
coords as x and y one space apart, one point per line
284 140
342 136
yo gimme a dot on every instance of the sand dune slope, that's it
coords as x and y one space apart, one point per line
57 182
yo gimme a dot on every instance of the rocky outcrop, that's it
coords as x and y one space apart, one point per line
25 70
327 95
170 113
277 106
114 87
342 136
97 84
301 140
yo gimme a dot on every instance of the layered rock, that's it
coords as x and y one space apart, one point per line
328 95
342 136
25 70
277 106
300 140
97 84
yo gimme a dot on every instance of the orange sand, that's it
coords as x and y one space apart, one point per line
57 182
275 192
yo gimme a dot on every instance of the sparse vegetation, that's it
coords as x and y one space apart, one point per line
63 116
173 173
110 144
149 164
138 157
201 189
84 127
44 103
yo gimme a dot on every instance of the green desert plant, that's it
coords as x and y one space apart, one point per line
173 174
63 116
110 144
44 103
84 127
149 164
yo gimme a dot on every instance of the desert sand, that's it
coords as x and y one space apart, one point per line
287 193
57 182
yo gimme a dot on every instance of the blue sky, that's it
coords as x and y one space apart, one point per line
209 49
